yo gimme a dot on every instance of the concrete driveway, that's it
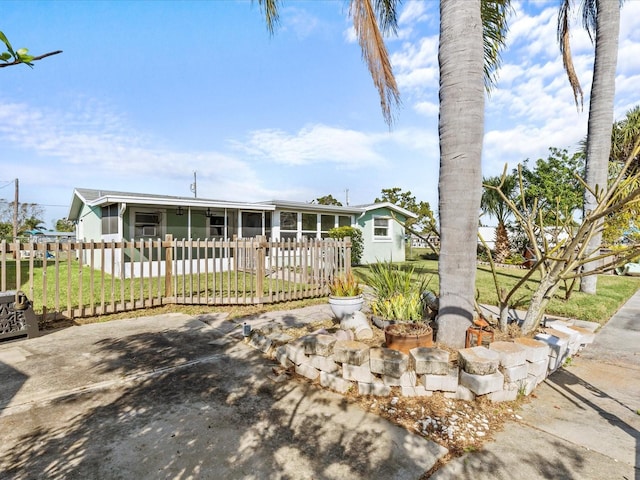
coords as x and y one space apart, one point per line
176 397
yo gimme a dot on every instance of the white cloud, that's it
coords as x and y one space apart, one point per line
423 53
428 109
413 12
350 35
103 150
315 144
300 21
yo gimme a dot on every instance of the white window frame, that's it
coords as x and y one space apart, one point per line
382 238
161 228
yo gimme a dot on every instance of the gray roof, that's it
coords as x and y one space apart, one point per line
95 197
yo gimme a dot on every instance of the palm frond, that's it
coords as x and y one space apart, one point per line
494 15
589 17
387 15
375 52
271 13
565 49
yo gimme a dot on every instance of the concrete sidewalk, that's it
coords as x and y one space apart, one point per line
584 422
174 396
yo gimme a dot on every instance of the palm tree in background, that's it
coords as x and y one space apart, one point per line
472 34
31 223
603 18
494 205
625 133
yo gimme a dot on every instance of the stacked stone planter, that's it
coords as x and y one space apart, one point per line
499 373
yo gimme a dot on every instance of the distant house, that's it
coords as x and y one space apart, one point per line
115 216
43 236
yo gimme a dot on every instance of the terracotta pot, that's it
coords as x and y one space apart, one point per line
401 336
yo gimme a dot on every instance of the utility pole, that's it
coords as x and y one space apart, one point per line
347 195
194 185
15 212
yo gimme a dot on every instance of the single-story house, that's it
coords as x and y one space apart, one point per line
104 215
44 236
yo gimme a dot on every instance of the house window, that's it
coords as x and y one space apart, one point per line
267 224
288 225
327 222
381 228
216 226
110 219
344 221
147 225
251 224
310 225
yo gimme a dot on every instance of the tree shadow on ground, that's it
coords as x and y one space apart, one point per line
564 382
531 455
12 381
190 405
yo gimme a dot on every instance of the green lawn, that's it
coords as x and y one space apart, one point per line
613 290
69 286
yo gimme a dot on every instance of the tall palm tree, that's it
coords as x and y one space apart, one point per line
604 17
472 34
461 129
494 204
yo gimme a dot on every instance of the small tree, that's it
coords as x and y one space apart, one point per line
492 204
327 200
357 243
563 260
64 225
426 221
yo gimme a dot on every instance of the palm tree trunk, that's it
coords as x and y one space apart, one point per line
600 118
461 128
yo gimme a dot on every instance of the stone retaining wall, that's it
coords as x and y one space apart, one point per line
500 371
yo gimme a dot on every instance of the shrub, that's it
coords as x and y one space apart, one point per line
357 243
400 307
397 296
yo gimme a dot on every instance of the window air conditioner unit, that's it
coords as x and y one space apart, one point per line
149 231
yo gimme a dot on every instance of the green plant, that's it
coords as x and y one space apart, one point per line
388 280
345 286
397 295
522 388
400 307
357 243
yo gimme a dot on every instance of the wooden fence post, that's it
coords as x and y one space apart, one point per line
168 266
259 260
347 255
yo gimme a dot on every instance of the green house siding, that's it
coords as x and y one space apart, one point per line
139 216
383 236
90 224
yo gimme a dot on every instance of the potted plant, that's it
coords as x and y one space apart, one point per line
345 295
406 327
399 307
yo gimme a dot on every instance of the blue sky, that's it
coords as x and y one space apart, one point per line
147 92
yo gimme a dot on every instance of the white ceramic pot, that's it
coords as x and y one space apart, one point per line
343 306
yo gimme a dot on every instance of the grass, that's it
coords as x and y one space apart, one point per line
70 286
613 290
